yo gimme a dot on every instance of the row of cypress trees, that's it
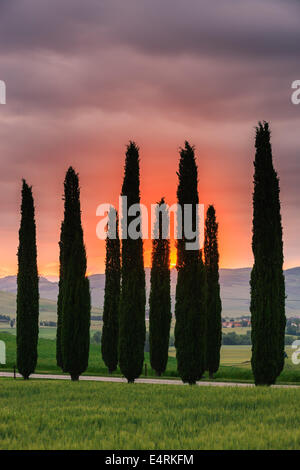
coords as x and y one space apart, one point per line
198 306
123 334
198 303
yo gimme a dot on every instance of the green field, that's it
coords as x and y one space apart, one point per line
235 361
50 332
230 355
45 332
51 414
86 415
240 330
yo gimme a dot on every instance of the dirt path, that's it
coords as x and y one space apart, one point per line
141 381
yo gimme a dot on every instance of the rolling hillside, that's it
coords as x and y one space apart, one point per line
8 306
235 292
47 307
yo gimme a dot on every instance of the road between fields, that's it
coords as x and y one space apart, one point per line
94 378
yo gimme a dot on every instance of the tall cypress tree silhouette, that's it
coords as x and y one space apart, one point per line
267 279
190 308
132 328
27 288
214 305
74 301
160 295
110 330
71 214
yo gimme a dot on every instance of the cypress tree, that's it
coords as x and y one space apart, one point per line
110 330
71 219
267 279
132 329
76 313
27 288
160 294
190 307
214 305
74 286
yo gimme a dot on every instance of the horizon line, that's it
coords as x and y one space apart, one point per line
55 278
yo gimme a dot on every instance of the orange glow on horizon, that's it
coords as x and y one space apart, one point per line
233 204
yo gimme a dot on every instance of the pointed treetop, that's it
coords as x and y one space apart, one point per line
71 174
25 186
27 197
71 185
211 211
187 153
71 171
188 175
132 146
263 134
132 153
188 147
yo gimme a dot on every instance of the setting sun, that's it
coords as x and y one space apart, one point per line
173 257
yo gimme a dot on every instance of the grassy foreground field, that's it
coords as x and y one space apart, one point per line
86 415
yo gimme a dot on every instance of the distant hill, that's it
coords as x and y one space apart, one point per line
8 306
235 292
48 290
47 306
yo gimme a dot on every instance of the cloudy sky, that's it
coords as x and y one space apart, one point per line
85 77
